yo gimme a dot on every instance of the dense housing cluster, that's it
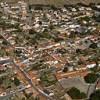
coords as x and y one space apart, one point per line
49 52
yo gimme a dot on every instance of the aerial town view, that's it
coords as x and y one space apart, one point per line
49 49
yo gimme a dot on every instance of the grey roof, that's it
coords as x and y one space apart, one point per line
5 61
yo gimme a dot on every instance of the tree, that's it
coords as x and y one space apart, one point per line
65 69
30 7
23 98
62 51
93 46
86 18
1 81
47 78
94 69
32 31
51 27
91 78
82 95
4 42
76 94
58 39
95 95
38 8
2 52
26 95
78 51
16 81
53 7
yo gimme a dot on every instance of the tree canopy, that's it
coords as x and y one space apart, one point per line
16 81
95 95
76 94
91 78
